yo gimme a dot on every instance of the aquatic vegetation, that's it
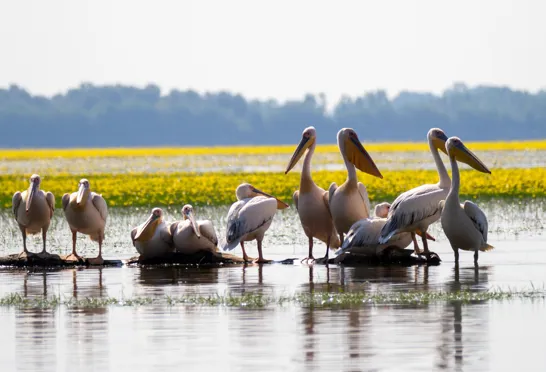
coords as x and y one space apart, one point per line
159 189
21 154
259 300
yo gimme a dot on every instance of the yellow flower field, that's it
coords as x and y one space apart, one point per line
157 189
6 154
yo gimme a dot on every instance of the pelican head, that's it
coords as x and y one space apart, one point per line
246 190
147 229
456 148
382 209
34 186
438 139
308 138
187 212
83 191
350 146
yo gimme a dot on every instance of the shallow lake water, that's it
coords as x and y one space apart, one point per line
480 335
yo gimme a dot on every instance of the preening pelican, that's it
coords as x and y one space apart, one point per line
152 238
349 202
416 209
190 236
465 225
33 209
363 237
250 217
310 200
86 213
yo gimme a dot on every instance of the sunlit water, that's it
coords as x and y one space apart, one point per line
488 335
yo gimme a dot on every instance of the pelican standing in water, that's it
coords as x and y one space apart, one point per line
363 237
414 210
465 225
250 217
349 202
86 213
153 238
310 200
33 209
191 236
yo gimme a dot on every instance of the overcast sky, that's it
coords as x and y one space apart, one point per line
279 49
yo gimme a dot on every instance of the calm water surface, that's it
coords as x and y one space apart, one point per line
487 335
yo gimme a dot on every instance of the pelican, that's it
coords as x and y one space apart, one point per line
86 213
191 236
310 200
364 234
349 202
250 217
465 225
33 209
414 210
153 238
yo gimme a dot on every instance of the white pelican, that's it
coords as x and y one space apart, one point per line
363 237
152 238
191 236
86 213
349 202
250 217
310 200
33 209
416 209
465 225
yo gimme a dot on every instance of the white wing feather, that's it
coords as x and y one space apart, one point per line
477 217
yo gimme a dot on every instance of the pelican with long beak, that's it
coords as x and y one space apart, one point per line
465 225
415 210
363 237
191 236
249 218
310 200
86 213
153 238
33 209
349 202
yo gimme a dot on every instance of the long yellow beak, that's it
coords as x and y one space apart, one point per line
463 154
144 227
81 192
280 203
31 195
300 150
357 155
194 226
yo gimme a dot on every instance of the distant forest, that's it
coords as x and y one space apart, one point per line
112 116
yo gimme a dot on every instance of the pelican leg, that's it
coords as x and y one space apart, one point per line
25 253
456 253
310 256
260 255
325 258
245 256
425 244
416 248
43 253
97 260
476 258
73 256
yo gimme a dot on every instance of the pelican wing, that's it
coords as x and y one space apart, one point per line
246 216
133 234
100 204
326 199
364 194
165 234
411 207
16 201
295 198
477 216
65 200
364 232
50 198
206 228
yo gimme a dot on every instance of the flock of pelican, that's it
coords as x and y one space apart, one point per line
340 217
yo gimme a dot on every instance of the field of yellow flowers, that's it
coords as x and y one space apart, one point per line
217 188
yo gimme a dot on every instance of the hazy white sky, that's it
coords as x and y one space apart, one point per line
279 48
